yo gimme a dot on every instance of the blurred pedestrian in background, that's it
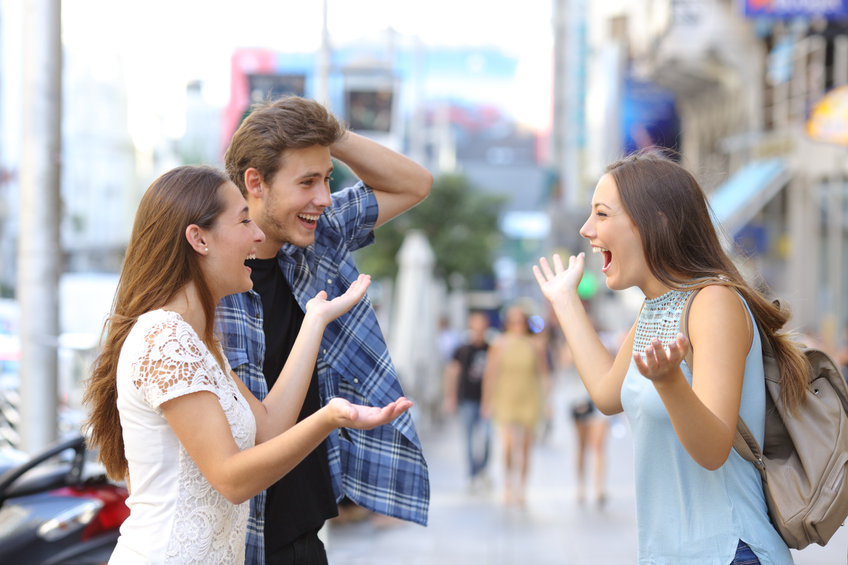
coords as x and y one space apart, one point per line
463 392
697 500
168 415
591 427
281 159
516 384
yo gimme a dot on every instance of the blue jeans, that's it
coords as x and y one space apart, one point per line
477 436
744 555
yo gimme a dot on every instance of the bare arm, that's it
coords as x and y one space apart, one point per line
399 183
704 415
490 375
602 375
450 386
202 428
280 408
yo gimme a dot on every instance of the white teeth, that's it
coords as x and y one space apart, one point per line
252 256
599 249
310 217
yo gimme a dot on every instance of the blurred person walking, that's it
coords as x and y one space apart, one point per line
516 384
167 414
463 392
591 428
281 159
698 501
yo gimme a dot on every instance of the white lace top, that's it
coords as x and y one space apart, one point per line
176 516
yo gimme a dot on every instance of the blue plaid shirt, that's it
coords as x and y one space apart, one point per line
382 469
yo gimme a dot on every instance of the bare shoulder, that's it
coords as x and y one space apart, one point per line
717 308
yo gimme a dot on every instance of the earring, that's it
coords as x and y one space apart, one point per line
206 250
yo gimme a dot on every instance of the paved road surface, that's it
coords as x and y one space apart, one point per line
476 528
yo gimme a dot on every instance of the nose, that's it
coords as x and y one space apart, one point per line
258 235
588 229
322 196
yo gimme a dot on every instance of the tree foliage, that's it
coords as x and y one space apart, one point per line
461 224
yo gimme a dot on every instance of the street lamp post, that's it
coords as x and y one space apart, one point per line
39 254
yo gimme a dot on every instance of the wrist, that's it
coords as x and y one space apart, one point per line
670 382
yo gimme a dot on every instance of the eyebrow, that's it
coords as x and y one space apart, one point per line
313 174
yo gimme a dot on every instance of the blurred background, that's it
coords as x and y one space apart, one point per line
514 108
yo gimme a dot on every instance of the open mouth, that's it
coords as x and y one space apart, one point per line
607 256
310 219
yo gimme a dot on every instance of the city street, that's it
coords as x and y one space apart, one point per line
477 528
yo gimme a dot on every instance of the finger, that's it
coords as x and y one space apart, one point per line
659 351
558 265
682 343
546 268
640 362
539 277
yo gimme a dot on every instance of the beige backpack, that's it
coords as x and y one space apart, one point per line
804 457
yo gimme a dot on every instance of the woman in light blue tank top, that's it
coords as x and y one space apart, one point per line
697 501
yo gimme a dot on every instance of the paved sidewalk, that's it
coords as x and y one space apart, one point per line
553 529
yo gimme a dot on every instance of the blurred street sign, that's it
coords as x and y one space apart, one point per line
829 9
828 120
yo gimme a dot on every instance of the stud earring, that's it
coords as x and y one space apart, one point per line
206 250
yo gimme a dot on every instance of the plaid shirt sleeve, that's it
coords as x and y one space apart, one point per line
239 318
383 469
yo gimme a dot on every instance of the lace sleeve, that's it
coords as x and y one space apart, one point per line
173 362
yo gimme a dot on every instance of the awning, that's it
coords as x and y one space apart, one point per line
744 194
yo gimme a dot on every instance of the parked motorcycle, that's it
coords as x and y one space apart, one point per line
59 508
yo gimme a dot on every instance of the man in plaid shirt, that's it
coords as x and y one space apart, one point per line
280 158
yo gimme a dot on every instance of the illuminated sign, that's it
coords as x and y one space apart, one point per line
796 8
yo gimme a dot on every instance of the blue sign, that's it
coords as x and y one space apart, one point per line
648 116
832 9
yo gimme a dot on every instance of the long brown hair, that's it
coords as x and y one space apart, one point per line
271 128
158 263
681 245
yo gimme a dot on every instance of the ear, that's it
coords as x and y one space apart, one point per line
253 182
197 239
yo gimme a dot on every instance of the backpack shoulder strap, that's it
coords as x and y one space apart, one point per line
744 441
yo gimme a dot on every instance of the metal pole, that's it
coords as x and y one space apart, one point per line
323 87
39 254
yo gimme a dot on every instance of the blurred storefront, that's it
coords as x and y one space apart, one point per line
756 87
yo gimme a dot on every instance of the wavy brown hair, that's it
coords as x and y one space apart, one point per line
271 128
159 262
681 245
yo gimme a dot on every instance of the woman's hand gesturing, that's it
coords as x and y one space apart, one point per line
557 282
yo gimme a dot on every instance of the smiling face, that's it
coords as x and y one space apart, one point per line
296 197
612 232
232 239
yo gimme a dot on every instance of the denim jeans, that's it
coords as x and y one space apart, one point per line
744 555
477 436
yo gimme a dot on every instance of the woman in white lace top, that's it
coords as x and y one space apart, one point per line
697 501
167 414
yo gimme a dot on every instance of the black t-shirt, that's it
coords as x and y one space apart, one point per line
472 363
302 500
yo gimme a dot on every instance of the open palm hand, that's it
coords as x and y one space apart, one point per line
658 362
329 310
357 416
558 280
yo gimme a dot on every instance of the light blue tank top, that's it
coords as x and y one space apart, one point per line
687 514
